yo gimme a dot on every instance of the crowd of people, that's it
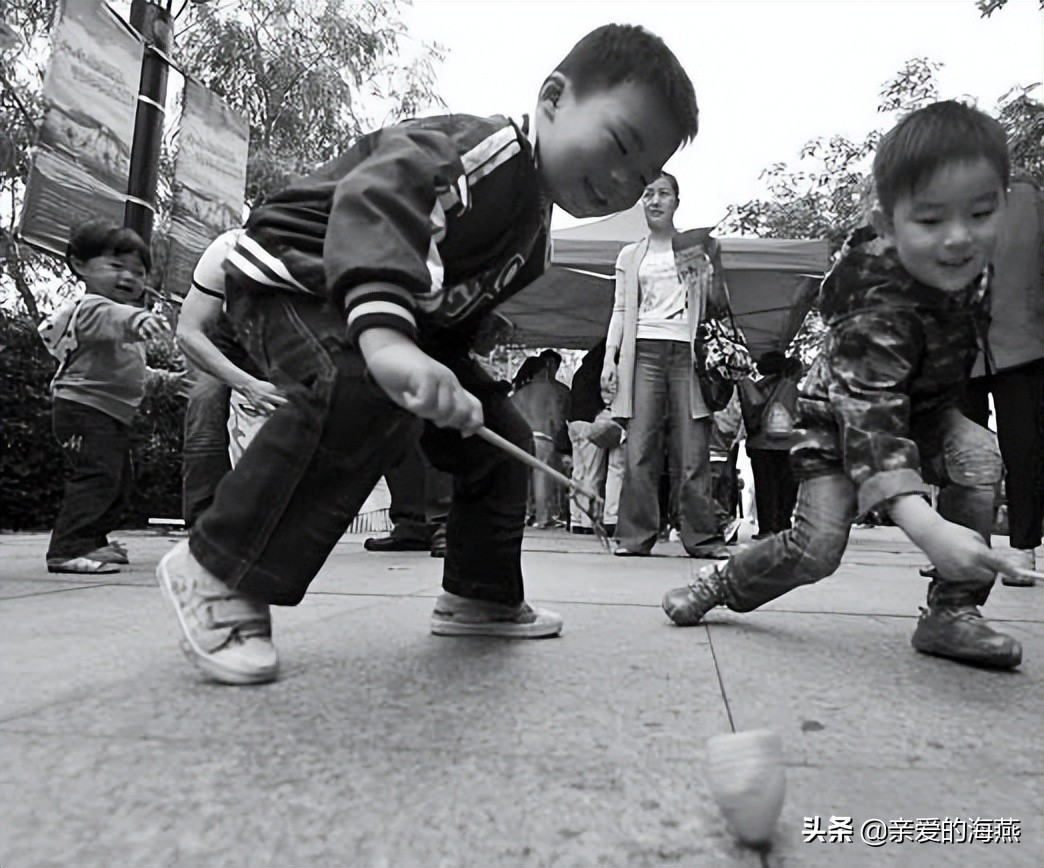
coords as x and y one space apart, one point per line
344 313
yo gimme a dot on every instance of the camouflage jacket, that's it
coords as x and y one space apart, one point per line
893 363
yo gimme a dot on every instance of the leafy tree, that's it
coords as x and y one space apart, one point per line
311 76
988 7
26 24
829 191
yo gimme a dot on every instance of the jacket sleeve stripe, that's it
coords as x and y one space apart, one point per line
495 161
251 271
369 308
388 292
266 261
489 149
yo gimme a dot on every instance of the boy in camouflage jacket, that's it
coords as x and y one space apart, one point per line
907 313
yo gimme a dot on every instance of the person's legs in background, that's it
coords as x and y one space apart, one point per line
639 513
543 490
589 471
420 499
1018 396
615 466
205 458
775 489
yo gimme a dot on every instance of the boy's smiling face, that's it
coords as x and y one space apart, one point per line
116 276
598 152
945 230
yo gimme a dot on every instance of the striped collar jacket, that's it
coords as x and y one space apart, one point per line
445 214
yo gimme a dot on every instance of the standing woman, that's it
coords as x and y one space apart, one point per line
649 370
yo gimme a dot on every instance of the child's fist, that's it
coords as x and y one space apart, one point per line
434 393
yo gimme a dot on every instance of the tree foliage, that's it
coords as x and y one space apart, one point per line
310 75
829 191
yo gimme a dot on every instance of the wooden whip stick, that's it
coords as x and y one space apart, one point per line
596 503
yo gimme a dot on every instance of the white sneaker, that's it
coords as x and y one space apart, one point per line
462 616
226 634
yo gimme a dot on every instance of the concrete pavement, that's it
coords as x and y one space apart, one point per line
384 745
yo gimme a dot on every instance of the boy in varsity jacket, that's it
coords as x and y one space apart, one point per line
359 290
101 379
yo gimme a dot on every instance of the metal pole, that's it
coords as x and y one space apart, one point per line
153 22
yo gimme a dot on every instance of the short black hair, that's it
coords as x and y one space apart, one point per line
933 136
673 182
100 237
615 53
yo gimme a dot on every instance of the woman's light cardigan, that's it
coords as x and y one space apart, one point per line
706 293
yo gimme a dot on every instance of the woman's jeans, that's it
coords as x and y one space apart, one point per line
967 470
278 514
96 447
662 375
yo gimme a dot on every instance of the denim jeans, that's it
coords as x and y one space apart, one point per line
278 514
662 373
96 448
205 451
966 467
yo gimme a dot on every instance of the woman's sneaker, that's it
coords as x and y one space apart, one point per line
226 634
463 616
687 606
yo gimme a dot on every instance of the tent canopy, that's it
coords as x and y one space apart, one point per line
772 283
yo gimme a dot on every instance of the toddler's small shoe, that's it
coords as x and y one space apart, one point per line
225 634
461 616
83 565
624 552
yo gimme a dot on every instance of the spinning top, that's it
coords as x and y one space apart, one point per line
744 771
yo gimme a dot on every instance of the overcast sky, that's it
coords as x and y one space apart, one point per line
769 74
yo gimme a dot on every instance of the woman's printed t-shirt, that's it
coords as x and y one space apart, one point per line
662 313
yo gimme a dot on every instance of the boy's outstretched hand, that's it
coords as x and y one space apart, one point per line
957 552
418 383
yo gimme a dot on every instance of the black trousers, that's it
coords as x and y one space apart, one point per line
96 447
420 496
1018 397
775 489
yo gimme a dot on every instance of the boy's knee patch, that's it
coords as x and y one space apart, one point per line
974 460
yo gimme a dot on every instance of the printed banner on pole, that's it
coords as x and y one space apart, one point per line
81 163
209 181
